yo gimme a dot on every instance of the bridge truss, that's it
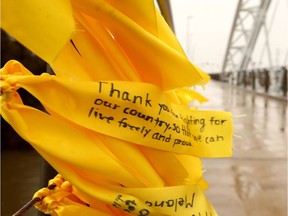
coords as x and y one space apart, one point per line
248 22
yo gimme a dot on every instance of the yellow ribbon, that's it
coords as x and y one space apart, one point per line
95 119
102 35
65 199
78 152
135 112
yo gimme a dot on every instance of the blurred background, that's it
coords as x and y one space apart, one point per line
243 46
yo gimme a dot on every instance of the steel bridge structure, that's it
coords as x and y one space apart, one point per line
239 65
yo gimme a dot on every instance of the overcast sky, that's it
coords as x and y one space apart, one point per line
208 24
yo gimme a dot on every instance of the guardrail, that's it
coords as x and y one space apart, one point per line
272 81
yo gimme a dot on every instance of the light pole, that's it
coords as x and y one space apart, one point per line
190 17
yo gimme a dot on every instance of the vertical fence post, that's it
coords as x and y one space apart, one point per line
284 81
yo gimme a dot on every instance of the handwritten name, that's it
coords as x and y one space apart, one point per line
183 202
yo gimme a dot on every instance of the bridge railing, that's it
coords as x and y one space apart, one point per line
272 81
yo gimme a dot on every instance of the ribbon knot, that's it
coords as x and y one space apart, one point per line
7 88
59 193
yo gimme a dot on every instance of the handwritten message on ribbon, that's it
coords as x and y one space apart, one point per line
136 112
149 118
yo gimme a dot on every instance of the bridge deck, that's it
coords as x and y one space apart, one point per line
254 181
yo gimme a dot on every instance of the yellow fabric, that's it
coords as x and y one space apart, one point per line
105 39
188 95
39 25
42 125
134 112
64 200
118 127
83 150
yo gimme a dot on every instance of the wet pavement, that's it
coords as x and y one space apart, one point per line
251 183
254 181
